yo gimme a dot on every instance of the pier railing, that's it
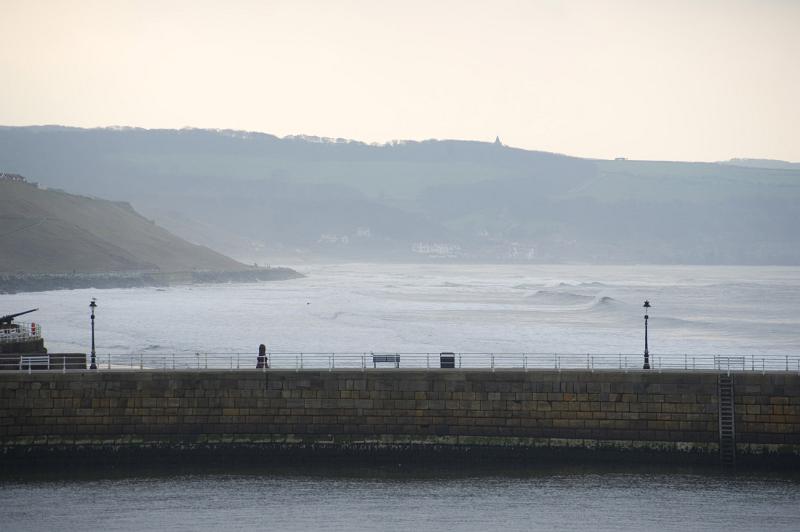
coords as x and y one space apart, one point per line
488 361
20 332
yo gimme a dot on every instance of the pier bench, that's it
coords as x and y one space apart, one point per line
33 360
391 359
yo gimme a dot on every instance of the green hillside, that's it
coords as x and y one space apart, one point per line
48 231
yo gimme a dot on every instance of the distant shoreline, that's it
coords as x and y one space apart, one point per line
40 282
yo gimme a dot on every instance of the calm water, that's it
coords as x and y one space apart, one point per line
374 499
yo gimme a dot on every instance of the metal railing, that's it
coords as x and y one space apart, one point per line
370 360
20 332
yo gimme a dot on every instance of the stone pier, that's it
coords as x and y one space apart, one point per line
650 415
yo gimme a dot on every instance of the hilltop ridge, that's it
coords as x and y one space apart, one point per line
255 195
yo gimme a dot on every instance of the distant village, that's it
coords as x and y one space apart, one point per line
16 178
11 177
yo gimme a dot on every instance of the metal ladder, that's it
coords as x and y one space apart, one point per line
727 431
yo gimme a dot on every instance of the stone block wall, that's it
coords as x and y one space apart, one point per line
670 411
767 408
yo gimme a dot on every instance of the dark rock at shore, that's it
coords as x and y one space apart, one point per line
10 284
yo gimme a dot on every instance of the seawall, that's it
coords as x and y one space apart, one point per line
642 415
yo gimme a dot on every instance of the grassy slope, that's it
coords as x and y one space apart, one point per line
47 231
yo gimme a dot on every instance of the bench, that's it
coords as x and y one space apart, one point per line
392 359
36 360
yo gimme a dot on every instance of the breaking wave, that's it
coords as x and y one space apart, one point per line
547 297
606 303
590 284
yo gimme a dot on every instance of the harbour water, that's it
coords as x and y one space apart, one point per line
401 498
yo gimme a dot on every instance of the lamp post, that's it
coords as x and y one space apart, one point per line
646 352
92 306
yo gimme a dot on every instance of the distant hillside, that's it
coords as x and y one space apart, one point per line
764 163
48 231
253 195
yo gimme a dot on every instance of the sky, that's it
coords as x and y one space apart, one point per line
665 80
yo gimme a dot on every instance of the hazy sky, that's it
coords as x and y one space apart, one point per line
689 80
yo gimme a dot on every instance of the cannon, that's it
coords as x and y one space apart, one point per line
8 318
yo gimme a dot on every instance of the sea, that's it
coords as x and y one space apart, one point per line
420 308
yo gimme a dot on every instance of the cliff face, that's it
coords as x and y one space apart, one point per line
49 231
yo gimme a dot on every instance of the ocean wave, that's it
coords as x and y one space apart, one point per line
606 300
527 286
606 303
664 321
585 284
548 297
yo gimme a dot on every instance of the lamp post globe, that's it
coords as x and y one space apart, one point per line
92 306
646 351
